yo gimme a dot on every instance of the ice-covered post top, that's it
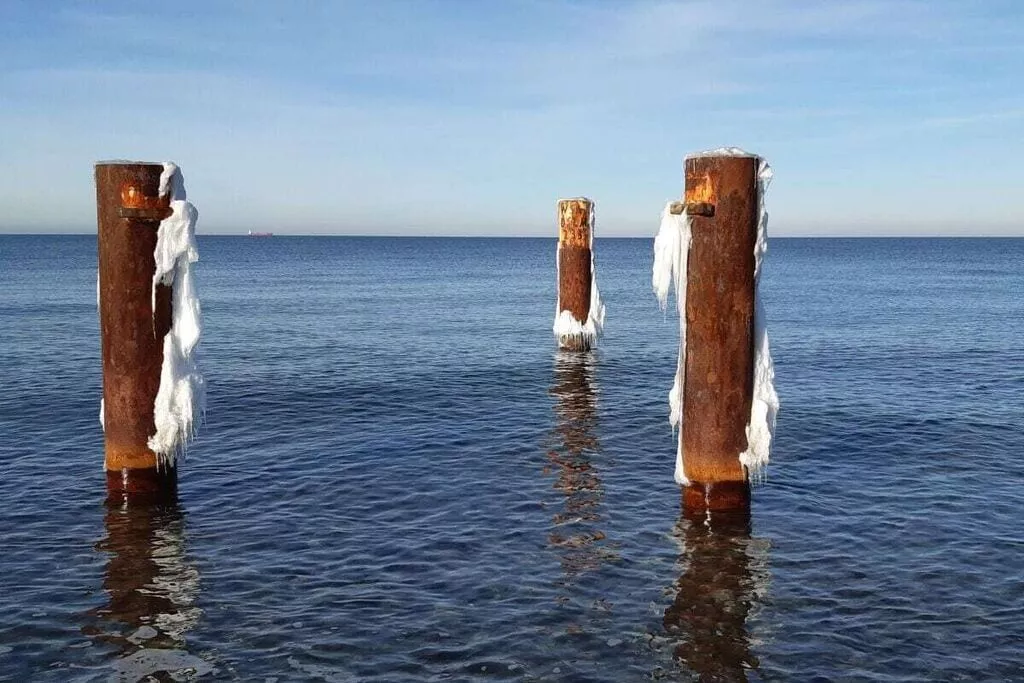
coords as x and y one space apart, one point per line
709 248
579 313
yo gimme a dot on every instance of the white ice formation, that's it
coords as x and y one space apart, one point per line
764 404
180 401
671 250
567 328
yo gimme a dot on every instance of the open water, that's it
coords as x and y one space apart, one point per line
400 479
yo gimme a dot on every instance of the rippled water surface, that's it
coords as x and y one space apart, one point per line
401 480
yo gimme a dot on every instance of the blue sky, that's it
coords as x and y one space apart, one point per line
886 117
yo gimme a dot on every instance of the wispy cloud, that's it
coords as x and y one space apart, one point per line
333 116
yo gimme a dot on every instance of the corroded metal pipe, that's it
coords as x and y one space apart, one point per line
129 210
719 329
575 276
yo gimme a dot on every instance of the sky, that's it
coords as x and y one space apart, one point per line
421 117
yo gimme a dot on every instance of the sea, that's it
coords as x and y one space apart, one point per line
400 478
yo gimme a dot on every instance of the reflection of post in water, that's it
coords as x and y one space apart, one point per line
724 579
151 586
575 526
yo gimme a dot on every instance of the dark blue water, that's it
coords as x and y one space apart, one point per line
401 480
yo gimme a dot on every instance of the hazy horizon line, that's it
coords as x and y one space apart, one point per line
272 234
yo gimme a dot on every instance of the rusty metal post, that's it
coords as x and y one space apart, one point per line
129 210
574 264
721 200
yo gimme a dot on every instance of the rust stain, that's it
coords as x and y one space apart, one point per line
133 196
574 222
139 205
700 188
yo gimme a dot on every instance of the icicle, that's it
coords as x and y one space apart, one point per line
180 400
671 251
566 327
764 404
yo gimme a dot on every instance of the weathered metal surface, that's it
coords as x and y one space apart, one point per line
574 281
719 329
706 209
722 496
144 214
574 222
131 331
140 484
574 259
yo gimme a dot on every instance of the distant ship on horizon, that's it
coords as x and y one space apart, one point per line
260 234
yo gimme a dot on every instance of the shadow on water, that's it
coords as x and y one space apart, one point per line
575 529
152 589
723 583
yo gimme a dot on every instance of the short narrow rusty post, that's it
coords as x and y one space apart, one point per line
129 211
721 200
575 276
